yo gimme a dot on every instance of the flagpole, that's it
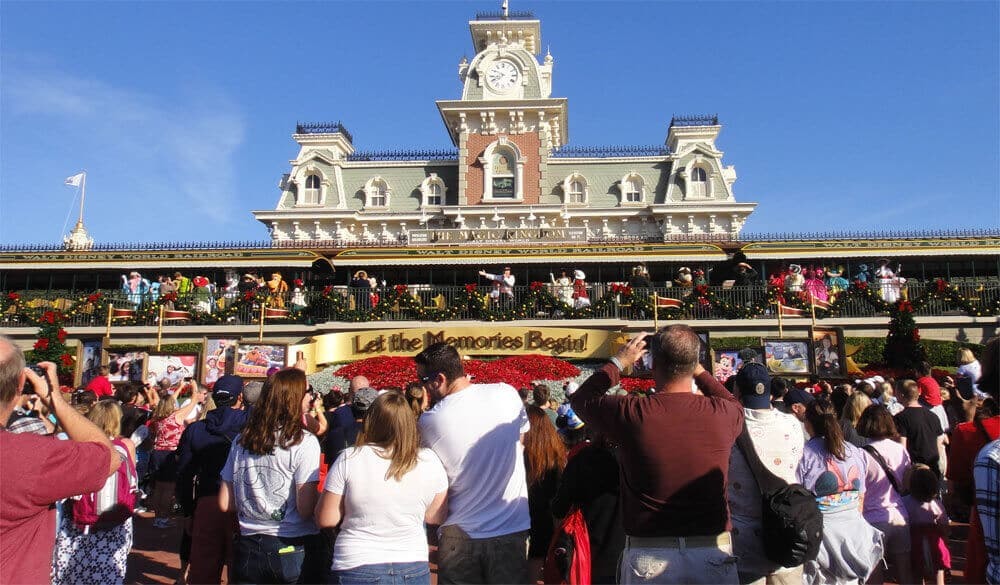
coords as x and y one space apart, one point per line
83 194
263 312
159 329
812 308
656 311
107 331
781 331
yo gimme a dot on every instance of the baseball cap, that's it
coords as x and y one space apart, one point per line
798 396
252 391
753 384
227 389
364 398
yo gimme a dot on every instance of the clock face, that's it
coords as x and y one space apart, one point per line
502 75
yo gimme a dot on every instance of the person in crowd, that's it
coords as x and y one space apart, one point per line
544 460
797 401
270 480
889 399
484 538
30 416
778 440
540 398
167 423
929 527
251 392
965 442
590 483
167 289
203 449
930 393
182 283
957 409
101 383
919 429
835 472
381 492
503 286
885 478
96 555
676 518
968 373
856 405
36 472
344 436
418 398
984 526
840 395
133 416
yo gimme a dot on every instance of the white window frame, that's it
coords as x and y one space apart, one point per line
699 168
311 194
374 189
568 193
508 148
427 186
637 180
310 197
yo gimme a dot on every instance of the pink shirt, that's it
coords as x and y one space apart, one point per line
168 434
882 502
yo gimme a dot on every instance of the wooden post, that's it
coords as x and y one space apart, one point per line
656 312
812 308
107 329
263 309
781 331
159 329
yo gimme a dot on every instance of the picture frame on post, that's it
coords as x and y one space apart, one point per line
125 364
726 362
253 359
88 361
174 367
217 357
788 357
829 352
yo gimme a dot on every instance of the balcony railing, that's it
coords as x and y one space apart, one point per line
468 303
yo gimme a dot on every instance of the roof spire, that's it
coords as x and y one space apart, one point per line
505 8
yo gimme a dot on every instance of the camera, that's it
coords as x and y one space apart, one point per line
28 387
643 367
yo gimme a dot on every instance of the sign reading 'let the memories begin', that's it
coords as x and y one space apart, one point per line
480 341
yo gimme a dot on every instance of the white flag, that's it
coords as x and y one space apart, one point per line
75 180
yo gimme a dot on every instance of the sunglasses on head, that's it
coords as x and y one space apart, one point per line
428 378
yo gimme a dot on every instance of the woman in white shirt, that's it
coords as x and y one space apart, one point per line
381 493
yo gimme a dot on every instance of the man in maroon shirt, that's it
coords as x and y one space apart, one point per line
37 471
674 459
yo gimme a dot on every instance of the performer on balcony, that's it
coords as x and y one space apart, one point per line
135 288
684 277
503 286
890 284
361 290
815 287
277 289
794 281
580 297
563 287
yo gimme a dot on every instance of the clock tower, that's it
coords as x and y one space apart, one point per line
506 124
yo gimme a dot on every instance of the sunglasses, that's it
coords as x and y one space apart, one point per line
429 377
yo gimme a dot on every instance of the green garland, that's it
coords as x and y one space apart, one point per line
400 301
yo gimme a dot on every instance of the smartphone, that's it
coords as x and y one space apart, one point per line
643 367
28 387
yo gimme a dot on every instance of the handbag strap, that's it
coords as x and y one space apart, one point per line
767 482
884 465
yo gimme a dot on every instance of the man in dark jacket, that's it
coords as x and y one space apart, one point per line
201 454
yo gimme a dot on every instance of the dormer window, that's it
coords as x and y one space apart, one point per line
575 189
633 189
432 190
377 194
503 171
312 190
699 182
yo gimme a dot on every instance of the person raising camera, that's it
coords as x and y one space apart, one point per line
675 447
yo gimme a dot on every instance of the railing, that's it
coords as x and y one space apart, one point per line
505 15
323 128
423 302
407 154
610 151
695 120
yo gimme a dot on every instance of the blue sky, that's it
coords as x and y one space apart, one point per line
840 115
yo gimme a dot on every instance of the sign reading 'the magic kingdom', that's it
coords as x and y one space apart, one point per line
480 341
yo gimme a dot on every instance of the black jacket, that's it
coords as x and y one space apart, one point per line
202 452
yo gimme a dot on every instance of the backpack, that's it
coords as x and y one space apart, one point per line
114 503
792 525
568 559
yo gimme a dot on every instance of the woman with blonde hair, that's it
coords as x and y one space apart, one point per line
381 492
98 553
270 480
167 424
968 372
856 404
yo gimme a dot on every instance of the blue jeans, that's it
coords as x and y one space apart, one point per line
418 573
261 558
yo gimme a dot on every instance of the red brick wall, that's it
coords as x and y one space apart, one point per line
528 144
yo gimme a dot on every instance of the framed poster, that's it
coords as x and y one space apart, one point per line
829 355
253 359
125 364
173 368
217 356
88 361
725 363
788 357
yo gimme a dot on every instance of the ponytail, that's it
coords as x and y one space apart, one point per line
823 417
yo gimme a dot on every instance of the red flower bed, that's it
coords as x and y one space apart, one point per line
636 384
518 371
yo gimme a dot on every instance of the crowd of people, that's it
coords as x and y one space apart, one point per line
277 483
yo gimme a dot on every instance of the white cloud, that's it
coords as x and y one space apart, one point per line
162 158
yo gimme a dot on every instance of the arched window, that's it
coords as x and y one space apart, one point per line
432 190
576 192
377 193
633 189
699 182
574 189
503 176
503 171
434 194
312 190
